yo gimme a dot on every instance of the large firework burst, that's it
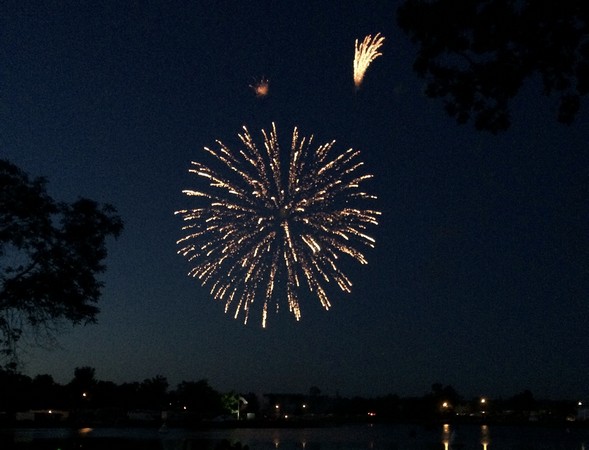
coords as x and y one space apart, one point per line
364 54
268 223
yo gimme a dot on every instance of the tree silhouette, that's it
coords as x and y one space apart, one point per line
81 388
50 255
199 399
476 54
522 402
153 392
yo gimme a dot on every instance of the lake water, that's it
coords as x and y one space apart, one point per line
348 437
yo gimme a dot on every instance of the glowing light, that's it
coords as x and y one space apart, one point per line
485 436
260 87
269 223
364 54
446 436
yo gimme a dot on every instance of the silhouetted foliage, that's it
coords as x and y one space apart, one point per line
50 255
84 377
46 393
200 399
193 403
106 394
443 393
522 402
81 388
314 391
15 390
127 395
153 393
475 54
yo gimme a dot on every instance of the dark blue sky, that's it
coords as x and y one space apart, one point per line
480 275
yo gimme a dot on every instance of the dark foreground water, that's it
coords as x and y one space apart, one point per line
349 437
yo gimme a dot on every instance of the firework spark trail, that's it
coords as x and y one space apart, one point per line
264 228
364 54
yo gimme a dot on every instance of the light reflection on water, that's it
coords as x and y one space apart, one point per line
485 437
349 437
449 437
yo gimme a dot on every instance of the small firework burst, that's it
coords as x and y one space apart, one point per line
260 87
364 54
267 224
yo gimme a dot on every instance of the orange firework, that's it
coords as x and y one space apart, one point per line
260 87
364 54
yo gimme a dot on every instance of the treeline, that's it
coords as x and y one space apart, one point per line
88 398
19 392
446 404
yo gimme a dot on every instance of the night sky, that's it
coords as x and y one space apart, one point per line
480 275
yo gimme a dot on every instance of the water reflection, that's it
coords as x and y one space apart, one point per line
352 437
276 441
85 431
485 439
449 437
